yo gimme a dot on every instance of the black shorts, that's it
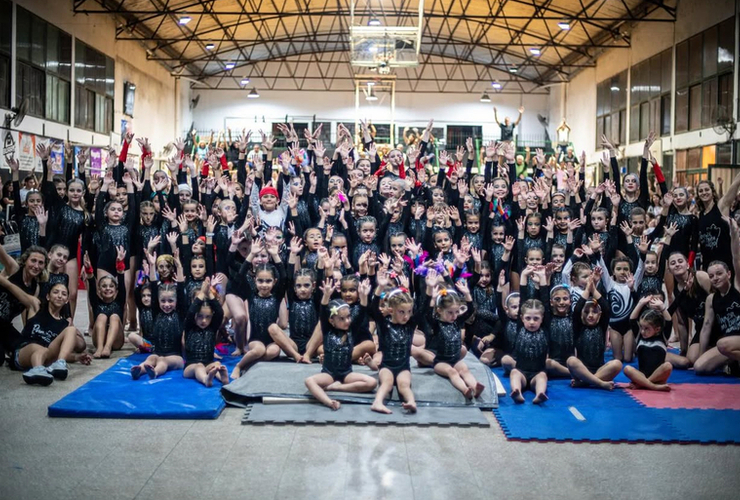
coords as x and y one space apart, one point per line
338 376
360 337
396 369
621 327
195 361
301 344
592 369
449 360
529 375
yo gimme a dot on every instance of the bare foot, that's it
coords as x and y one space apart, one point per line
368 361
321 359
609 386
97 354
237 352
105 353
84 358
662 387
333 386
210 374
468 393
409 406
631 386
380 408
540 398
305 359
223 375
136 372
236 373
150 371
479 388
335 405
516 395
578 383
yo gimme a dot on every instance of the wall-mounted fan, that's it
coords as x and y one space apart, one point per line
194 102
16 115
723 122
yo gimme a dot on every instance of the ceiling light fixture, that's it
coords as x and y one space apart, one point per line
245 81
230 65
496 85
184 20
564 25
535 51
210 46
374 21
513 69
485 98
253 94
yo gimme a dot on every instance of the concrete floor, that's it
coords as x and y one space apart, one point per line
42 457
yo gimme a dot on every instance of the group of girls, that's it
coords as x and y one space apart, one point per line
356 259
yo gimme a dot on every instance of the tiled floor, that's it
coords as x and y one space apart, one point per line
111 459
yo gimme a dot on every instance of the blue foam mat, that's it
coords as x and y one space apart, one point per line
612 416
113 394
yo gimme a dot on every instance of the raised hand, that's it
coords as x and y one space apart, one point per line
43 150
144 144
169 214
671 229
364 288
41 215
508 243
172 238
626 228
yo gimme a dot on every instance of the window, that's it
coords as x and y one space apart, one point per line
689 169
94 89
649 89
704 64
611 109
458 134
6 18
43 67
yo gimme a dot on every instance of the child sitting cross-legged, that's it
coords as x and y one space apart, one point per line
337 326
654 326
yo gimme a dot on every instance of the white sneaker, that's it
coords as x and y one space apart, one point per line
38 375
58 369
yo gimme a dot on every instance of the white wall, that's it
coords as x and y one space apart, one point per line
218 109
647 39
154 109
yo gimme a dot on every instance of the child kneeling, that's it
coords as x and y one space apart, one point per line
337 325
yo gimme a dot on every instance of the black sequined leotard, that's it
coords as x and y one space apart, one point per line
395 340
338 347
107 308
200 342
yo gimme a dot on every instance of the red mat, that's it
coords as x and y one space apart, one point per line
691 396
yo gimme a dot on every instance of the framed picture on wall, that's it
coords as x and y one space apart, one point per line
129 90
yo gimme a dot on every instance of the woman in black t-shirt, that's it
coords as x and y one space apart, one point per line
48 342
19 292
722 308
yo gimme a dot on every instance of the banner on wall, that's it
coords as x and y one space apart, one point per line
97 160
56 157
27 152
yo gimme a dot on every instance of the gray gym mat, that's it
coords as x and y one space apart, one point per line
286 379
360 414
